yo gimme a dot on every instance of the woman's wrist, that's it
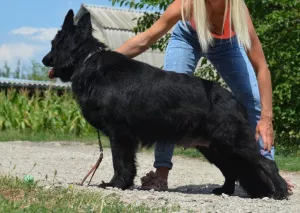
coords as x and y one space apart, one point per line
267 115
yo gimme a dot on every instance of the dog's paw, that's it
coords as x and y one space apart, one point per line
221 190
104 185
280 195
115 184
281 192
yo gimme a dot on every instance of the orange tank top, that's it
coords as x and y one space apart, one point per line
227 31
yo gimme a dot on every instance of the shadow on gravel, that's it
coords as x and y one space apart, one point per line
206 189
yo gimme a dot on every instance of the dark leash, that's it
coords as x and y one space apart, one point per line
95 167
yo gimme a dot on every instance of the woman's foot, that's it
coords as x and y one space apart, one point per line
157 181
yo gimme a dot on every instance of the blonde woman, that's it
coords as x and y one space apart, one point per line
221 31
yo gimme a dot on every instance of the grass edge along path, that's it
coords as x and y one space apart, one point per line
19 196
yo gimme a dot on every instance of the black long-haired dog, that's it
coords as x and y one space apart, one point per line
133 102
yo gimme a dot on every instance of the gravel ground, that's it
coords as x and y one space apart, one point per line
190 181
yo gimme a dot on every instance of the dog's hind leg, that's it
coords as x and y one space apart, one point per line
234 136
269 167
124 147
213 156
255 181
248 150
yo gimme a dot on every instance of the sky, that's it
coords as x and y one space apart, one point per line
28 26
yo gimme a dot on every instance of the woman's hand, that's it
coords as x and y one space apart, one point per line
264 129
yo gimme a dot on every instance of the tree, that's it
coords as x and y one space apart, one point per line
6 71
17 73
37 71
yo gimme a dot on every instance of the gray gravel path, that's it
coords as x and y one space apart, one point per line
190 181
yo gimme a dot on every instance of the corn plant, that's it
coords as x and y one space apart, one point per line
49 111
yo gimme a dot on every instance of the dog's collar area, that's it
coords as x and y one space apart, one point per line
100 49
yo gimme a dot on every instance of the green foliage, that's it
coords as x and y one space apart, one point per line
208 72
144 4
48 112
277 23
145 21
278 26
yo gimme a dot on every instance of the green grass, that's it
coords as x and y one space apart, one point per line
192 153
17 196
284 163
288 163
17 135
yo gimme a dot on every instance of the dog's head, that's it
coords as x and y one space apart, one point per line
66 46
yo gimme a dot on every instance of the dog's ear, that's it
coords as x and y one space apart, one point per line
69 20
85 24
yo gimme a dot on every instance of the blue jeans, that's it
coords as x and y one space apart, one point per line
231 62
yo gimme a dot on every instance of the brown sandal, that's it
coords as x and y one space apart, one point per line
152 181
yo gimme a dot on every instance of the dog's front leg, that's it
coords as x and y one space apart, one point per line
123 147
226 167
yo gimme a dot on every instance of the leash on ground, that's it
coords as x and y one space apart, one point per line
95 167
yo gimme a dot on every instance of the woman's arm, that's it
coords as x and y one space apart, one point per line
141 42
257 58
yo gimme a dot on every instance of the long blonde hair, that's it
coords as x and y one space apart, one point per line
196 9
